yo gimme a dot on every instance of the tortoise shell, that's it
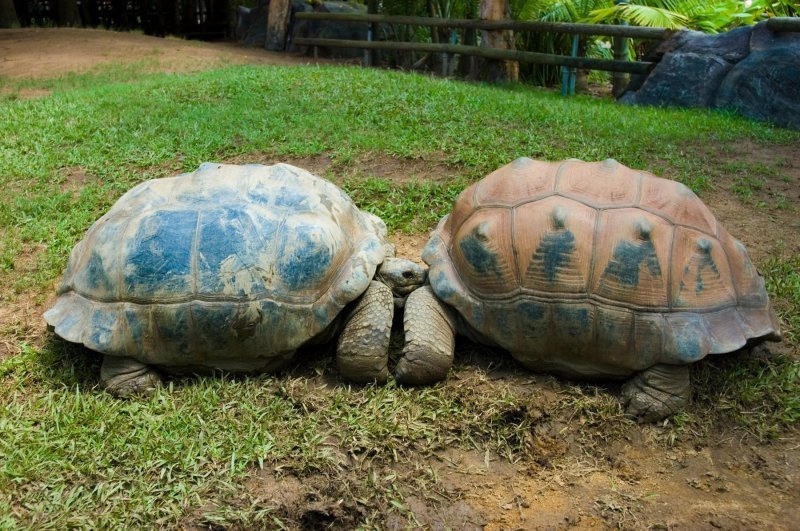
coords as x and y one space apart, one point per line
223 267
595 269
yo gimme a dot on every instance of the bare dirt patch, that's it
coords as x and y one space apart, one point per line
21 320
21 324
399 170
757 196
39 53
75 178
369 165
672 489
410 246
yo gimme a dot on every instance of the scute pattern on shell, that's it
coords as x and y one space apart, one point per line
595 269
224 267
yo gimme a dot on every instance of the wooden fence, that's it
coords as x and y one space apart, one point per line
618 32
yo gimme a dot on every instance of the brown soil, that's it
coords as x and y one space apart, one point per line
758 201
37 53
568 478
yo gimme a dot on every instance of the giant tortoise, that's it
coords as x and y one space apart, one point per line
234 268
588 270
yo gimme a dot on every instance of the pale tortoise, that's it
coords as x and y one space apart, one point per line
234 268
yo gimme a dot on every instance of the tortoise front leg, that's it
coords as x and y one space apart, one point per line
123 377
363 350
430 339
657 392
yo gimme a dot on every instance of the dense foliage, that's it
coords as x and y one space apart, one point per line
710 17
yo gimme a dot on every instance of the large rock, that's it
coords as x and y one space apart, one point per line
251 26
323 29
681 80
764 39
751 70
733 46
765 86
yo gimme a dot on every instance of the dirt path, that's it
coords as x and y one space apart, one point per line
575 477
39 53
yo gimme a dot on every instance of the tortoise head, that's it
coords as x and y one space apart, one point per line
401 276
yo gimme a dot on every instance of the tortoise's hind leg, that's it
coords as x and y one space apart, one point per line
657 392
123 377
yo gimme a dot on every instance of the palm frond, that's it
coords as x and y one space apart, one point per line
638 15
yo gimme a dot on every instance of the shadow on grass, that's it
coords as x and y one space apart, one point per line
63 364
60 363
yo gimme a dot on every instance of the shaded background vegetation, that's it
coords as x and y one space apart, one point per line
200 19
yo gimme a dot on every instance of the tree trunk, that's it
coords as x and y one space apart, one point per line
8 15
277 24
435 60
68 14
495 70
466 63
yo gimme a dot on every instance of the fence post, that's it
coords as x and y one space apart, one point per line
620 47
277 24
372 30
368 53
568 74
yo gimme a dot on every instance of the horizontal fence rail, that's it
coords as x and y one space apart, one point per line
784 24
608 30
630 67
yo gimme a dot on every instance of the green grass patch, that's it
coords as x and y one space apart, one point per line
409 207
783 283
110 127
99 75
76 457
758 393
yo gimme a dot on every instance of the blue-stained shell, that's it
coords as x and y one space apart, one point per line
231 267
595 269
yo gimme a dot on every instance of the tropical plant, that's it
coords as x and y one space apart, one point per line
560 44
710 17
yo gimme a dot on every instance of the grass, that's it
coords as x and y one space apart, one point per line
411 207
74 456
783 283
71 456
760 394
